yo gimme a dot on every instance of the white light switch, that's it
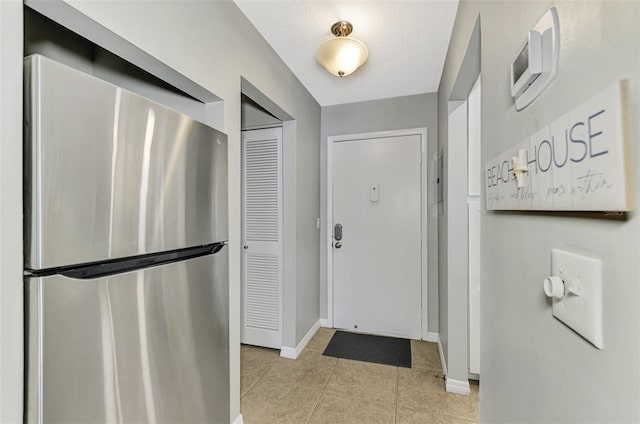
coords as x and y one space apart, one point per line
580 307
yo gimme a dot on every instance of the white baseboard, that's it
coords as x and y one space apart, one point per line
443 360
324 322
458 386
238 420
294 352
432 337
288 352
452 386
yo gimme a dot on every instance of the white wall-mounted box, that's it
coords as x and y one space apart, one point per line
536 61
527 65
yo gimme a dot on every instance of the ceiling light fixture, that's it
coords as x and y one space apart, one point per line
342 55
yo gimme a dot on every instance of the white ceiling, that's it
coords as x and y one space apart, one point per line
407 42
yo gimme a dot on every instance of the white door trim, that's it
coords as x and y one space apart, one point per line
422 132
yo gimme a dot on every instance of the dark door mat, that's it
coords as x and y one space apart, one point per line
368 348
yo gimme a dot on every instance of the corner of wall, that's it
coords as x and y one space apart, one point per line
11 261
294 352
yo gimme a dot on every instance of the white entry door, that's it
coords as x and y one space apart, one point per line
262 238
377 262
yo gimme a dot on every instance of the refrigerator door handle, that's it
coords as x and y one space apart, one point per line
118 266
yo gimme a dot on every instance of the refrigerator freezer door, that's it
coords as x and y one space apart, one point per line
110 174
144 346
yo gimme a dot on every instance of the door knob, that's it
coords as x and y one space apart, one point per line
338 245
245 247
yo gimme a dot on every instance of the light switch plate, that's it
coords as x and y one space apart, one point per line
582 312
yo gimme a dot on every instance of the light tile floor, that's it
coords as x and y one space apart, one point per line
318 389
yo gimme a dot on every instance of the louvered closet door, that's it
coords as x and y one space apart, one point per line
262 238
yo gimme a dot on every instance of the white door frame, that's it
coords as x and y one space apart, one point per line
474 187
422 132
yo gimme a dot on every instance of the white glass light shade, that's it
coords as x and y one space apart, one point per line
341 56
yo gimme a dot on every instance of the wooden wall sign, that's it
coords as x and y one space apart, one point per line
580 162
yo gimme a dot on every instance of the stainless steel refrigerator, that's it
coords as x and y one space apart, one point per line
125 257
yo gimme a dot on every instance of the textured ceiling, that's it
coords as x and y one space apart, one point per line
407 42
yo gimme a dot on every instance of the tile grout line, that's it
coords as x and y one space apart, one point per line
452 414
325 386
395 415
465 419
322 392
425 369
257 379
343 395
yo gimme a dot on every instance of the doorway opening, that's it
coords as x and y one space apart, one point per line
267 137
459 225
262 256
474 178
463 208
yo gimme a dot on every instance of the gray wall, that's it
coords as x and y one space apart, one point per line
382 115
11 278
253 116
214 45
44 36
535 369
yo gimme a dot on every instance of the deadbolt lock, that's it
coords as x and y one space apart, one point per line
337 232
